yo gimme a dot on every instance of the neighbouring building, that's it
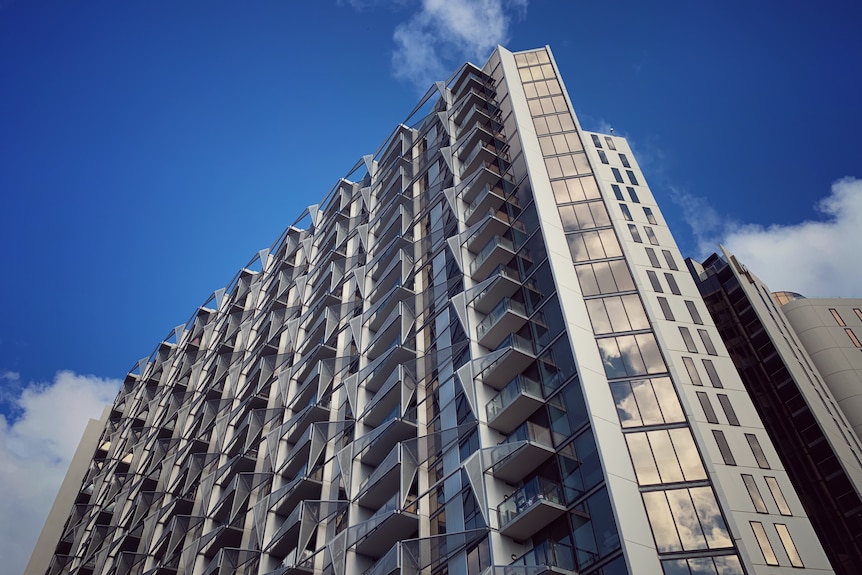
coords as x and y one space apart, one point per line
481 352
801 362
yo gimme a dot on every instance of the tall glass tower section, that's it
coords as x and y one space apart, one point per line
480 353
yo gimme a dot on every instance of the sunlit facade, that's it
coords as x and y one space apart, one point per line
479 353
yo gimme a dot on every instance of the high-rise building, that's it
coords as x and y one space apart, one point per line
480 353
801 363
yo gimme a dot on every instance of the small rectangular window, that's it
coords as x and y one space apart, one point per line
712 373
837 317
632 178
610 143
757 451
618 194
671 282
852 337
671 263
858 312
687 339
754 493
626 213
789 546
603 157
653 259
596 142
633 229
729 413
692 370
723 447
617 175
625 161
653 280
763 541
706 405
649 216
707 342
633 195
665 309
651 235
777 495
692 310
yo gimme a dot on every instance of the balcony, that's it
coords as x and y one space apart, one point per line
531 446
495 223
376 373
388 525
300 489
503 282
546 558
390 332
506 318
530 508
497 251
471 78
485 176
297 455
490 198
481 154
386 437
390 398
383 481
513 355
286 536
380 311
472 98
514 404
297 424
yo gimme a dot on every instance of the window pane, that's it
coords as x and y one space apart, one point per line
651 236
705 404
626 213
596 142
603 157
610 143
647 402
599 213
633 230
665 456
598 316
653 260
692 310
710 518
642 459
687 454
789 546
692 371
728 409
671 263
631 355
759 456
617 175
668 401
618 194
665 309
622 276
687 339
610 243
707 342
777 495
635 311
617 314
685 517
763 541
712 373
633 195
661 521
587 279
624 161
632 178
653 280
605 277
651 355
611 358
754 493
671 282
723 447
649 216
837 317
627 407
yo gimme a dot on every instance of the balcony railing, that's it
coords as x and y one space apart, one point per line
530 508
515 402
497 251
506 317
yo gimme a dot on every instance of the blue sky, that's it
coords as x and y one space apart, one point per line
149 149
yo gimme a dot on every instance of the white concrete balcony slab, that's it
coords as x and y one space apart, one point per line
530 508
514 404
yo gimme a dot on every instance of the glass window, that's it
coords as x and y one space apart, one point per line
665 456
651 235
837 317
633 195
671 282
653 259
723 447
603 157
707 342
596 142
686 519
631 355
858 312
671 263
618 194
687 339
594 245
626 213
763 541
633 230
706 405
665 309
777 495
625 162
712 373
692 370
617 175
789 546
632 178
604 278
653 280
728 409
754 493
852 337
757 451
692 310
649 216
610 143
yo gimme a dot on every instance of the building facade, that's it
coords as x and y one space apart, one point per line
480 353
796 357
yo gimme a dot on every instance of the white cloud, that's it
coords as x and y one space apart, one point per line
446 31
35 450
817 258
